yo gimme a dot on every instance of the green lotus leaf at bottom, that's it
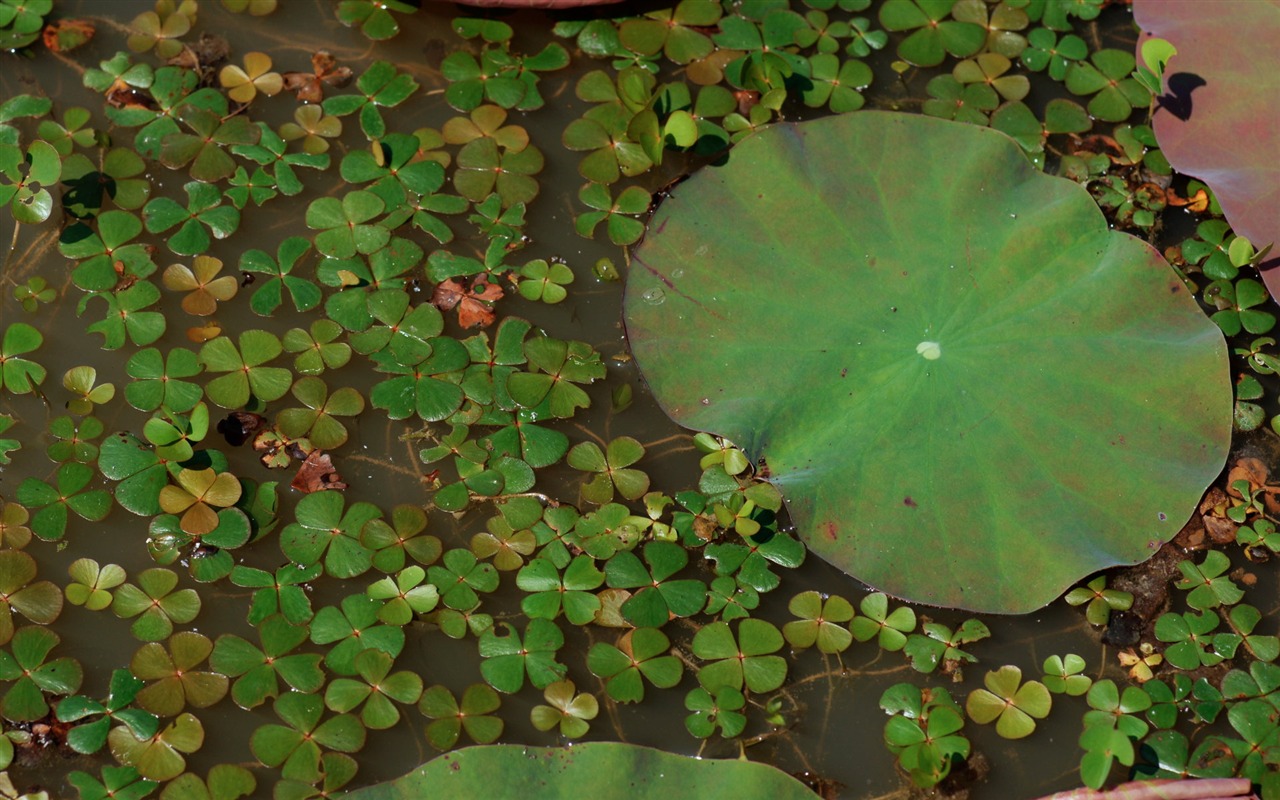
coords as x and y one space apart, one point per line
969 390
599 770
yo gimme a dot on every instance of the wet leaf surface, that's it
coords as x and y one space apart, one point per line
910 372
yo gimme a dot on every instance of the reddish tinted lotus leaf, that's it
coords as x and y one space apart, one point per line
1217 118
317 473
936 356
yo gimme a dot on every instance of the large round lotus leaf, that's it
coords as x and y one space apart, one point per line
596 770
969 391
1217 118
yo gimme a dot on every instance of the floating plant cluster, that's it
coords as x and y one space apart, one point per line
330 393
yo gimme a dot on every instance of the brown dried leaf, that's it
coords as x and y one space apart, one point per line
448 294
203 55
1198 202
64 35
610 613
317 473
476 308
1214 501
1220 529
1247 469
309 86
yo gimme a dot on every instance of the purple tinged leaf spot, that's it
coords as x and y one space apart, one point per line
1162 516
909 503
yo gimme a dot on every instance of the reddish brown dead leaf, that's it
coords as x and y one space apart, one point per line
279 451
309 86
317 473
1197 202
474 302
1101 143
1250 470
1213 515
448 294
67 34
1220 529
1192 535
1173 254
476 309
202 56
746 100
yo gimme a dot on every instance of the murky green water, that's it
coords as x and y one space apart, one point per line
834 724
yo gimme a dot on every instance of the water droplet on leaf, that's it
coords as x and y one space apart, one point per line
655 296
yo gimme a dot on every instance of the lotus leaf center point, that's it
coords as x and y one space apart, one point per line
932 351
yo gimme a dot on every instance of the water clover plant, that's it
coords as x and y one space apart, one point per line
424 465
924 731
258 671
174 682
903 344
450 718
295 746
377 691
1012 705
566 709
745 660
17 374
27 664
38 601
52 504
157 604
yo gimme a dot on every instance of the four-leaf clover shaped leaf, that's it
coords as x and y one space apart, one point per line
155 604
295 747
378 690
640 654
743 660
451 718
26 664
509 656
174 681
258 671
1014 706
38 601
327 531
